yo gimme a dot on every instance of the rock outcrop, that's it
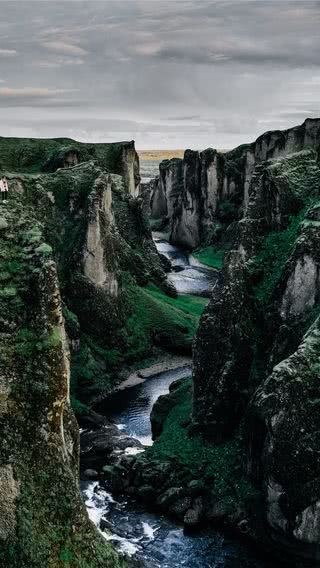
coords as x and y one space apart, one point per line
204 192
48 155
282 425
42 519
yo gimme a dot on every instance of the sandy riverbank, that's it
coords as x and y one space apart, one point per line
168 364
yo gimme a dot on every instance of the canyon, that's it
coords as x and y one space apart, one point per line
217 257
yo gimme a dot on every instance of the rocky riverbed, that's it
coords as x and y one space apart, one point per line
148 538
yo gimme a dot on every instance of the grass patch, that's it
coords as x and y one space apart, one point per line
192 305
161 320
210 256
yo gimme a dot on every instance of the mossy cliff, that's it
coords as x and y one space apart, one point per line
256 373
199 197
101 241
42 519
34 155
239 446
76 255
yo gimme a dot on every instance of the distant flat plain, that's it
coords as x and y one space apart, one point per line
159 155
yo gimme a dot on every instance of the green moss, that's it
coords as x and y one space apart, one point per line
159 319
219 467
30 155
270 261
93 369
29 341
71 323
191 305
210 256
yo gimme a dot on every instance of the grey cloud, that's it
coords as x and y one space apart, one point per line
63 47
7 52
167 72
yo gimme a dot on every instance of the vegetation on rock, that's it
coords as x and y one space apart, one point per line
42 519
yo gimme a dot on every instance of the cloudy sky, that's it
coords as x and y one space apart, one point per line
167 73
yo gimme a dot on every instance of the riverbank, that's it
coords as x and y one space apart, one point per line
136 524
168 363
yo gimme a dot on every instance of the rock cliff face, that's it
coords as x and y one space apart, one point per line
100 239
42 519
202 191
256 354
283 447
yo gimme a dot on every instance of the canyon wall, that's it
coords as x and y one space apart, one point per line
199 195
104 250
75 251
256 353
43 521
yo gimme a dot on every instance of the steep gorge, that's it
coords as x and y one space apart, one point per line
76 255
238 445
241 443
197 197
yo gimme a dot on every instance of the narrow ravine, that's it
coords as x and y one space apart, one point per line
149 539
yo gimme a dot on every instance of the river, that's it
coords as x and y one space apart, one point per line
154 540
157 541
188 275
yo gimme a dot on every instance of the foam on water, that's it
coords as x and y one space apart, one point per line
126 546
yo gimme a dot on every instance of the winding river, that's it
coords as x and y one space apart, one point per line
156 541
188 275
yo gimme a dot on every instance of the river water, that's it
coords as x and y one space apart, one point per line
152 539
155 540
188 275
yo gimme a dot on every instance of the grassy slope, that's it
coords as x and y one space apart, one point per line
210 256
155 319
30 155
170 322
218 467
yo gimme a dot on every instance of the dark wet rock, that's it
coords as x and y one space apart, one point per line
180 506
194 515
165 262
243 526
99 446
90 474
170 496
216 510
92 420
105 524
147 493
196 487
